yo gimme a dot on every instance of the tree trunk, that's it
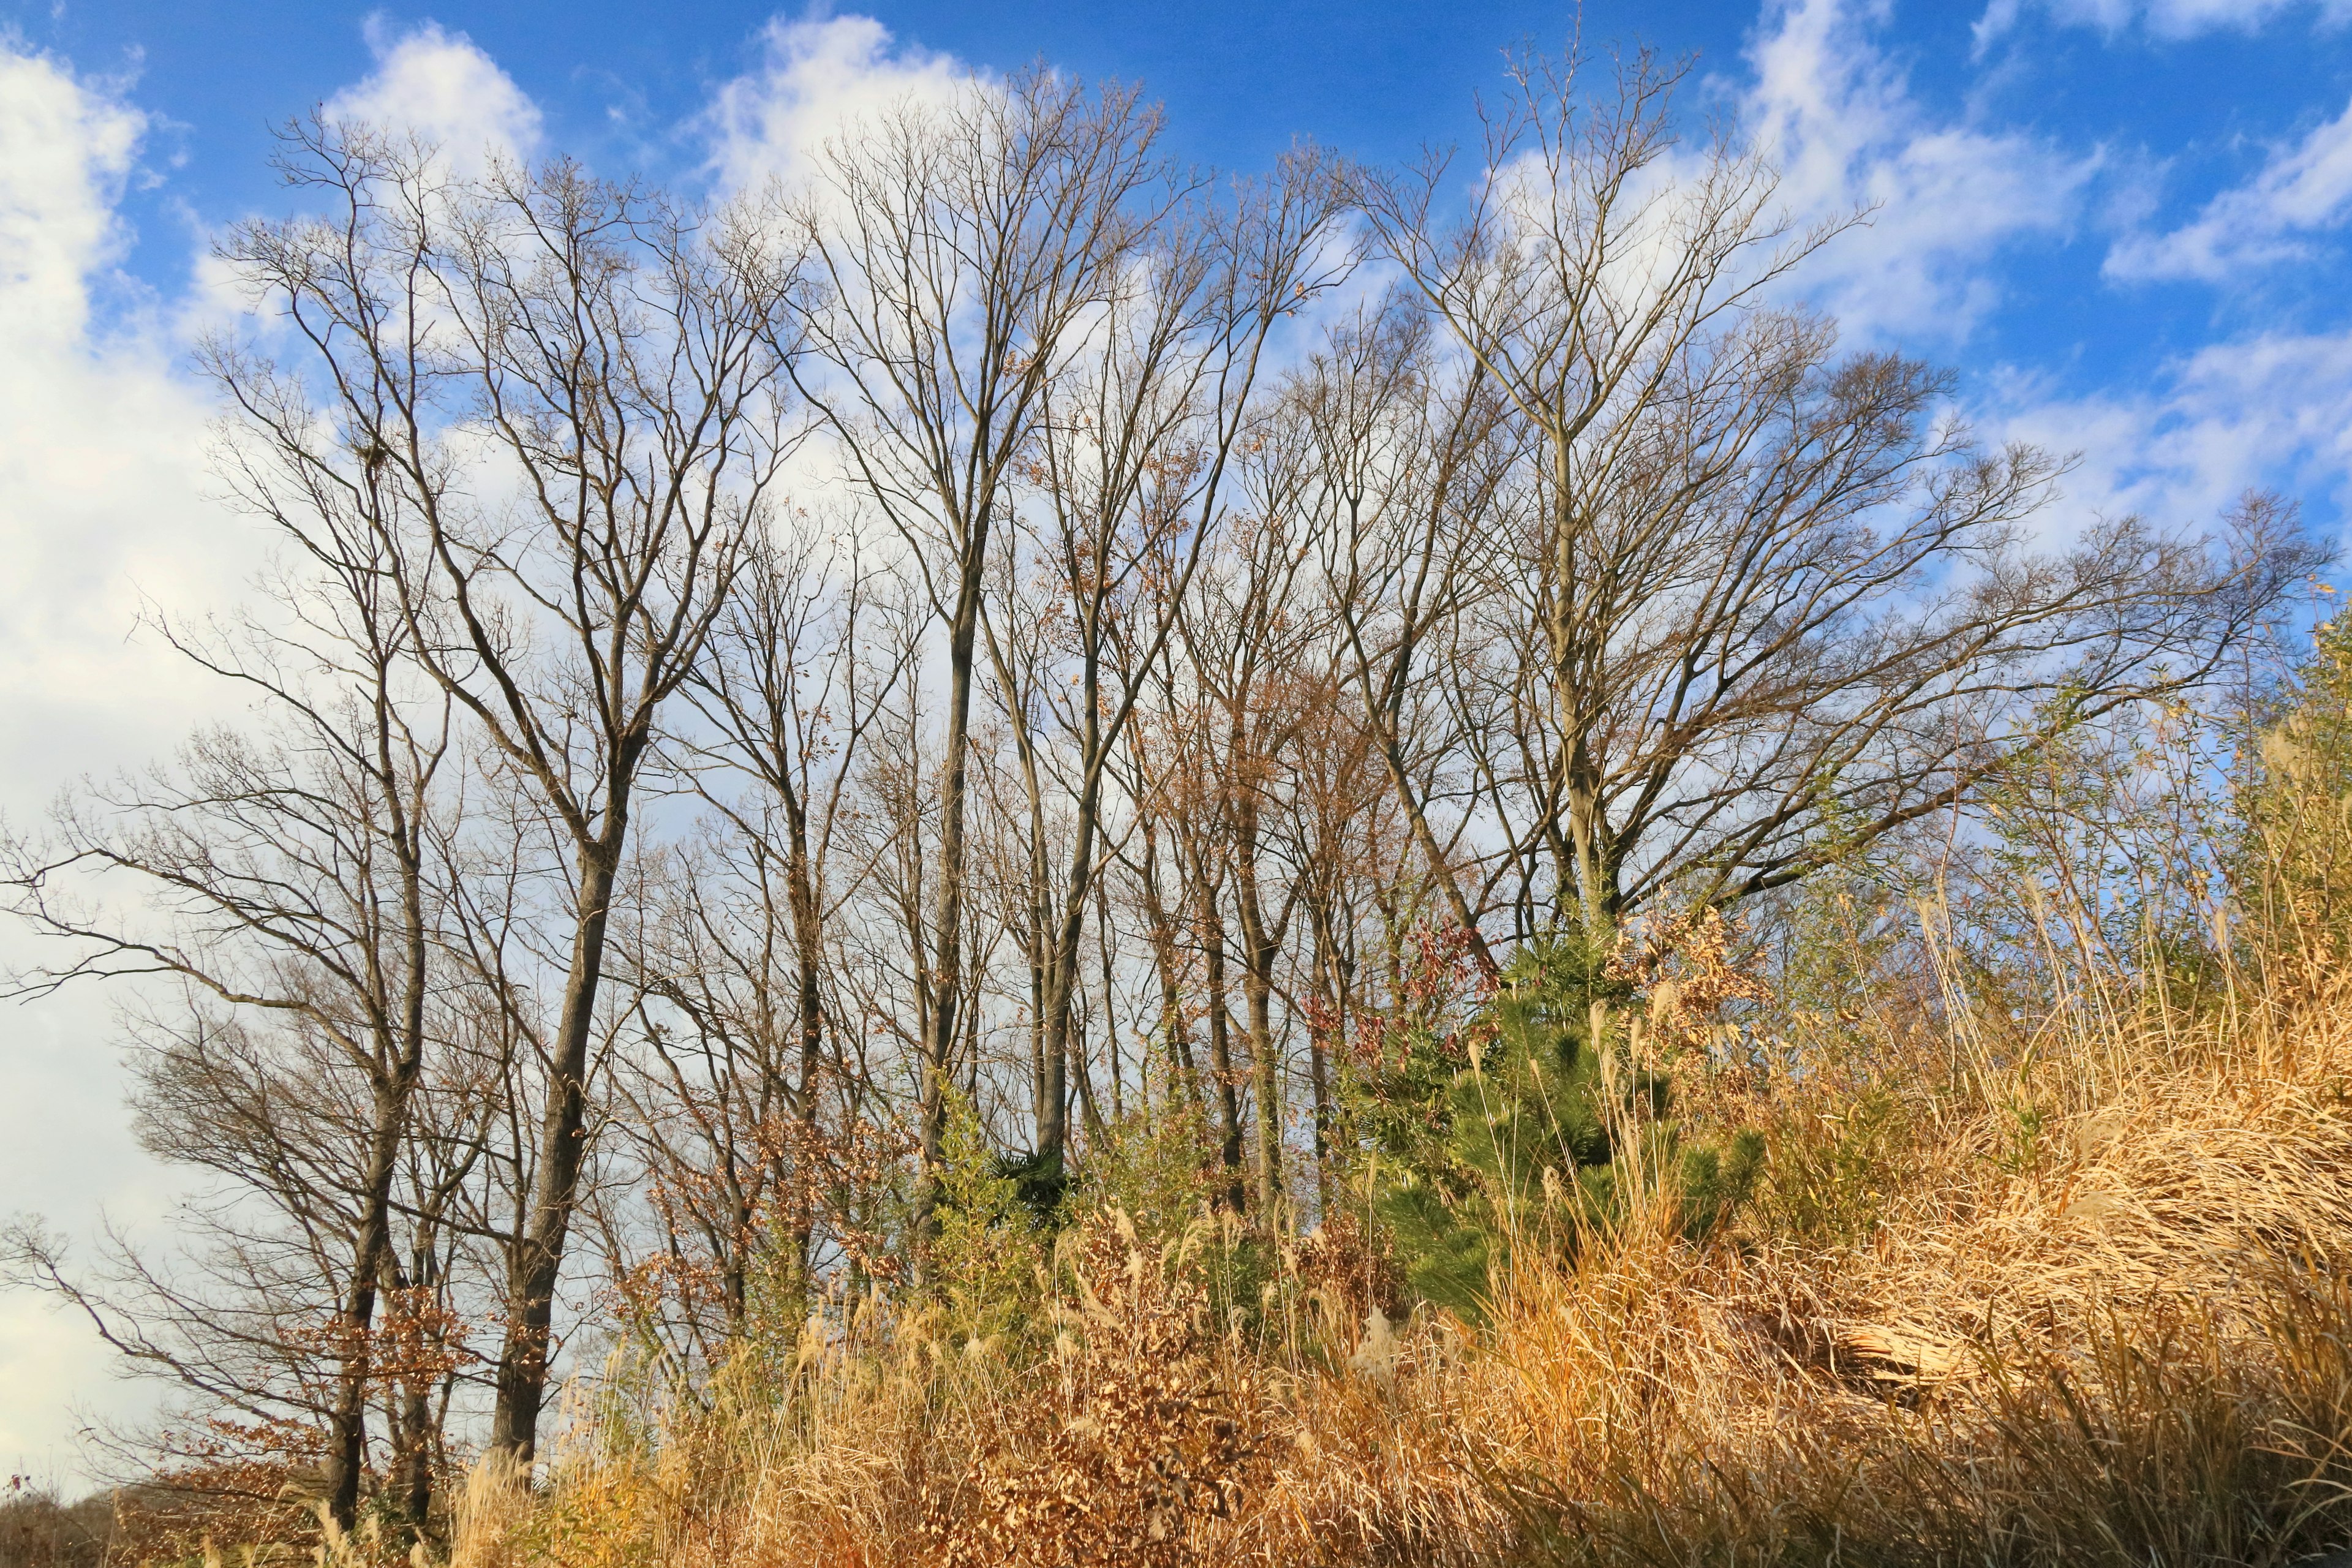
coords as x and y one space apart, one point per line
404 1043
1335 984
945 982
347 1425
802 891
521 1376
1176 1036
1221 1049
1259 949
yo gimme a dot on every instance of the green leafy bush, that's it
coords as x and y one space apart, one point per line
991 1241
1504 1134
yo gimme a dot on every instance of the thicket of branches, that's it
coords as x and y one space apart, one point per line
999 654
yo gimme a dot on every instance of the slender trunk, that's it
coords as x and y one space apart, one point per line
415 1433
538 1264
1111 1024
412 1474
801 887
1056 964
1335 1025
1258 952
1049 1047
1221 1050
1566 629
1175 1035
1047 1082
1067 937
1588 830
347 1426
946 980
735 1275
347 1442
1083 1080
1060 937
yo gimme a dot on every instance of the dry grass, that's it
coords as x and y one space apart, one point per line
2105 1318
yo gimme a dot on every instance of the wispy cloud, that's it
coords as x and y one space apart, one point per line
2169 19
1960 208
2272 410
1948 197
2302 190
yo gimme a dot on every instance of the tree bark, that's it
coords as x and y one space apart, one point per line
521 1376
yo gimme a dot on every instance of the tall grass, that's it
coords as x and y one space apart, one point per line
2072 1291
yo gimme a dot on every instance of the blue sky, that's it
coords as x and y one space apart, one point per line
2122 222
2146 110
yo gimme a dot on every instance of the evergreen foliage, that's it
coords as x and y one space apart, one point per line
1504 1134
990 1240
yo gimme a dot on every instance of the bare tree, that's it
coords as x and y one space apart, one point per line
298 900
1129 479
613 860
600 365
1248 641
956 251
1778 602
744 1035
1408 462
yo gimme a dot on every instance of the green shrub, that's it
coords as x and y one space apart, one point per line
1502 1134
992 1240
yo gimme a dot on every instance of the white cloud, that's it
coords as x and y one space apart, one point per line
2302 190
101 443
101 507
445 88
69 150
2271 411
107 509
818 78
1950 196
2169 19
1957 200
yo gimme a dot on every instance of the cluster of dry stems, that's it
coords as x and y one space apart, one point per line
2133 1346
